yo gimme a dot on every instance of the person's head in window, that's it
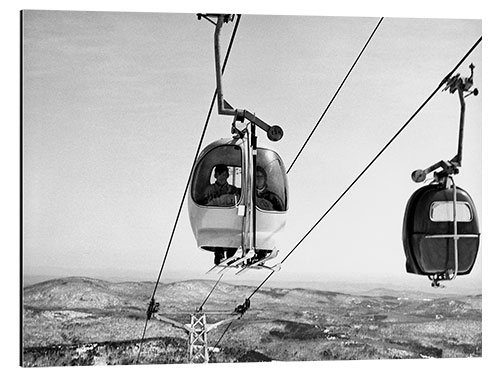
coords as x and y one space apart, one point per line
221 174
266 199
260 178
221 193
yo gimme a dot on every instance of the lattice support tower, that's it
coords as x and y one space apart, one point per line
198 330
198 340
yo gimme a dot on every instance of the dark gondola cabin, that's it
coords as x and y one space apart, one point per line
441 226
429 231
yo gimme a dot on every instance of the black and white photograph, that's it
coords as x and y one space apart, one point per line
223 188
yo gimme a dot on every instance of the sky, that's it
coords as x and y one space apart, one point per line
114 104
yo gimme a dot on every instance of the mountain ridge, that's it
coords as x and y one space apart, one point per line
81 320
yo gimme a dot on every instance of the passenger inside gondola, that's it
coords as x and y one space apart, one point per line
266 199
221 193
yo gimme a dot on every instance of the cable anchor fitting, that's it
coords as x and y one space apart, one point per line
241 309
153 308
462 84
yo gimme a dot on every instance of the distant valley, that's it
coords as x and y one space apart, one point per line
85 321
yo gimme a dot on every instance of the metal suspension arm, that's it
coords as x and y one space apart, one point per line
274 132
185 327
461 86
458 158
420 175
235 315
223 110
222 322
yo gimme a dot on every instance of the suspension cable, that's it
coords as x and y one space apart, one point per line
189 179
374 159
209 294
223 333
335 95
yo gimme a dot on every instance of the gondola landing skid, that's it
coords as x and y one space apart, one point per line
251 260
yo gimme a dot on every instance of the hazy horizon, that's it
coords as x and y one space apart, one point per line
320 282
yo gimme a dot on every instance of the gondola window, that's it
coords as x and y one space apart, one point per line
443 211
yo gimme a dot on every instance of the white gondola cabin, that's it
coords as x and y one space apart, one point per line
223 222
238 193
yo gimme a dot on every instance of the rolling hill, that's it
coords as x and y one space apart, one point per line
84 321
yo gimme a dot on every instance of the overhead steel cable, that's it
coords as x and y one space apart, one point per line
209 294
187 184
223 334
445 79
335 95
